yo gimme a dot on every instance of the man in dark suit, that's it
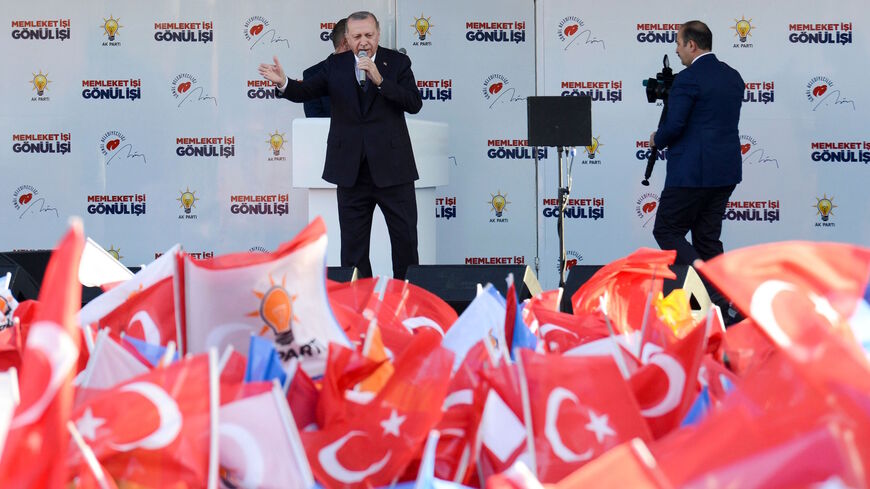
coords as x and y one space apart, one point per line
320 107
368 153
704 161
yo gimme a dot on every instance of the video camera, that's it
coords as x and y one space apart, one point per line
658 88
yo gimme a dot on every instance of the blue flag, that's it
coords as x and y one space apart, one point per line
150 352
518 334
699 409
263 362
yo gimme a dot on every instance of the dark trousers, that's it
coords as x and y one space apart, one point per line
356 206
698 210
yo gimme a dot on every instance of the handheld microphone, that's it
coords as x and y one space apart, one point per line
650 162
362 74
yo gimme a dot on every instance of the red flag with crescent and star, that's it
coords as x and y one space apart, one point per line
580 414
163 434
374 447
37 435
793 287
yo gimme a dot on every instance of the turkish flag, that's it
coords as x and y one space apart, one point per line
163 434
281 296
259 444
374 350
548 300
412 307
718 379
461 413
561 332
793 287
667 383
302 397
579 414
626 283
38 436
144 307
501 432
517 476
345 368
149 315
352 295
91 473
800 447
10 348
375 446
746 346
109 365
628 465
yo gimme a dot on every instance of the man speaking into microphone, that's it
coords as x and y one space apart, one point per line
368 155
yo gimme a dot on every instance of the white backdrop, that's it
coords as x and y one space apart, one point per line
66 152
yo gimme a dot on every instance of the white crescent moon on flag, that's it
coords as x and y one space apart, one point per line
554 400
60 351
421 321
761 309
327 456
253 468
167 412
463 396
553 327
149 327
676 383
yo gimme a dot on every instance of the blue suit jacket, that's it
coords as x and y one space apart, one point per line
700 128
368 123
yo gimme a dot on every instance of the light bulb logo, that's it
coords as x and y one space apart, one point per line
188 200
276 141
116 253
110 27
40 81
498 203
825 207
593 148
742 28
276 310
422 26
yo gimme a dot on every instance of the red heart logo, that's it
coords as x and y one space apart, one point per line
649 207
183 87
257 29
495 88
111 145
571 30
819 90
25 198
570 263
744 148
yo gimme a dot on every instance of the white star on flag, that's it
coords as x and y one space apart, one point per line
598 425
88 424
392 424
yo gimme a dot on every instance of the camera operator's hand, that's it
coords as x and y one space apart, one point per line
652 140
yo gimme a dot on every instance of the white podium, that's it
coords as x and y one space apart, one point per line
429 140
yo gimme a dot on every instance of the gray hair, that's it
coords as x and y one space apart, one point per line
363 15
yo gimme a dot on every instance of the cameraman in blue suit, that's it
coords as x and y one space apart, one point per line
704 160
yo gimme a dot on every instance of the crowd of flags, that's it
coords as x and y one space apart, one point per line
252 370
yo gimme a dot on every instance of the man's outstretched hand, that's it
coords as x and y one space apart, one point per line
274 73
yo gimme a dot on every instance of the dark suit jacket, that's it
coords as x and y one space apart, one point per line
318 107
369 123
700 128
